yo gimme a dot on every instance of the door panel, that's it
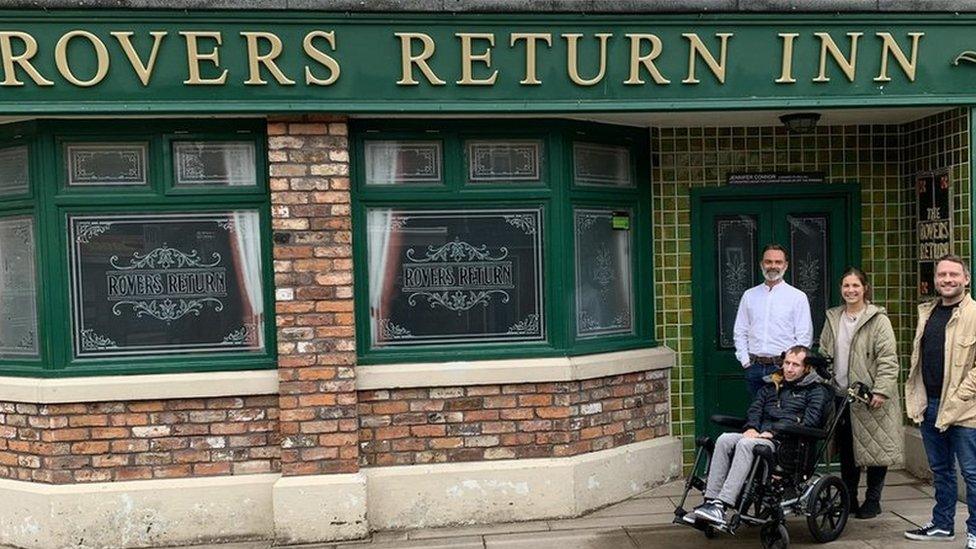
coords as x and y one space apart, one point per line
728 236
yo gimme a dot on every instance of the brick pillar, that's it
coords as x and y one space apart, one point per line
308 158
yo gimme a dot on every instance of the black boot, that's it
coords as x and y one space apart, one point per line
869 509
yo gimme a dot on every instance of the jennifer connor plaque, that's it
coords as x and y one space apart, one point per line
166 283
441 276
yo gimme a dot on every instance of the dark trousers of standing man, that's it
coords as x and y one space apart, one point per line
943 449
849 471
755 374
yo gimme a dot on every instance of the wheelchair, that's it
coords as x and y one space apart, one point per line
783 482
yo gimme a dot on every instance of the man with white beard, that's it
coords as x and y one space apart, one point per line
772 317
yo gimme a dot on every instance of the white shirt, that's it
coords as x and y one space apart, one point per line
771 320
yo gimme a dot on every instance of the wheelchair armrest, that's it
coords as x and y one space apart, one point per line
787 428
732 422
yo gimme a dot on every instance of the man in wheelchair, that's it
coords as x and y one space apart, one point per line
794 394
765 469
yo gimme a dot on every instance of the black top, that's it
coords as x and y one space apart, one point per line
933 349
802 402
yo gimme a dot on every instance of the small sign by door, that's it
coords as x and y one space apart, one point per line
775 178
933 193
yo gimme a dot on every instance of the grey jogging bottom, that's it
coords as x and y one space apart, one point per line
730 466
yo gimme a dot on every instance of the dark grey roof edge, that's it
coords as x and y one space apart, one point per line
521 6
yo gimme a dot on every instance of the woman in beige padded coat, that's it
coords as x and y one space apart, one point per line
859 337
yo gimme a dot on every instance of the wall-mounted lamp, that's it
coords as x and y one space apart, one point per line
801 122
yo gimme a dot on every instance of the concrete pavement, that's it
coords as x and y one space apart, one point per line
645 522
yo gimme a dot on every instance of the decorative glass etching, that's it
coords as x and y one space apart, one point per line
492 161
737 262
439 276
809 269
217 163
604 285
166 283
14 171
403 162
18 289
602 165
91 164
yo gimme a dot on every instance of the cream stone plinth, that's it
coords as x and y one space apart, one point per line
138 387
510 371
424 496
320 508
136 513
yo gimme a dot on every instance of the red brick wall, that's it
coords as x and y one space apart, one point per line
108 441
310 205
531 420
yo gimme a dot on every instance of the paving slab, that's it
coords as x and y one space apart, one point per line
673 488
650 519
640 506
481 530
900 492
900 476
463 542
614 538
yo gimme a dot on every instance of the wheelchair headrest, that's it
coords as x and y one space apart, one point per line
820 364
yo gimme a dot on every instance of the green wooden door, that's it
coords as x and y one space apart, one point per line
818 225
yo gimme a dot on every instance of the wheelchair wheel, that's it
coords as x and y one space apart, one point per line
828 509
774 535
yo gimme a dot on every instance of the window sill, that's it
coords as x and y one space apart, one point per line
138 387
508 371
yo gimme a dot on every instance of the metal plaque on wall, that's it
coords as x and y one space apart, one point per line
933 193
773 178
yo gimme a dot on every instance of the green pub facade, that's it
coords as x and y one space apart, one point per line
306 274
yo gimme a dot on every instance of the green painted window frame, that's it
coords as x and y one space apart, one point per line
50 201
556 193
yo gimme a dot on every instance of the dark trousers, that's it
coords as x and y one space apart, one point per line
754 377
849 471
943 448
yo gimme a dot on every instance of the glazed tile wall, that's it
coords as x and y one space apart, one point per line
880 158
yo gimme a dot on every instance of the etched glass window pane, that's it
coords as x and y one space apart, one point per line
603 165
166 283
403 162
809 269
18 290
471 276
217 163
14 171
736 260
492 161
604 285
91 164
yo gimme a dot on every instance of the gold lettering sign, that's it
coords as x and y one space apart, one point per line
890 46
256 59
699 49
409 60
636 59
194 57
101 56
273 54
572 58
468 58
323 58
22 60
846 64
143 70
531 38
